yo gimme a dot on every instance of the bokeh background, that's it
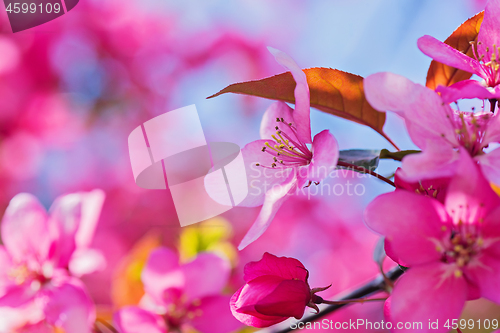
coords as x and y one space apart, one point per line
72 90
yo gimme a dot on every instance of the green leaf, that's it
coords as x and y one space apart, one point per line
367 159
397 156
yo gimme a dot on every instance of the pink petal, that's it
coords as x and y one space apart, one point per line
391 254
429 292
490 165
411 222
91 210
162 272
447 55
86 261
24 228
489 34
485 271
206 275
436 161
268 124
288 299
490 233
470 197
390 92
325 151
6 264
464 89
492 133
214 307
18 295
250 320
284 267
70 308
273 200
301 114
132 319
260 178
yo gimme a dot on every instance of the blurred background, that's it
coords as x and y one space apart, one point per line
73 89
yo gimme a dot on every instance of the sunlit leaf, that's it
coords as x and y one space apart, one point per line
365 158
397 156
127 288
212 235
332 91
440 74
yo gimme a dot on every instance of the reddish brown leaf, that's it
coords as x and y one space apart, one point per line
332 91
440 74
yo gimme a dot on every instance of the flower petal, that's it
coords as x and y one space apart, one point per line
214 307
485 271
488 33
464 89
86 261
24 228
428 293
389 92
325 151
91 210
301 114
273 200
411 222
284 267
131 319
436 161
492 132
70 308
251 320
288 299
447 55
433 187
470 197
206 275
162 272
260 178
268 124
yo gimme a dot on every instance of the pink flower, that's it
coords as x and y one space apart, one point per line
41 255
282 161
435 188
180 296
436 128
276 288
485 63
452 249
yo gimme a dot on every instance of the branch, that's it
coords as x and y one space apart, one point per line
365 170
376 285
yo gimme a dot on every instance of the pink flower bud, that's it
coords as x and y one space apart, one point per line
275 289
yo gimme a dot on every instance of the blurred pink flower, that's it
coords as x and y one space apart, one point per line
276 288
180 296
452 249
485 63
41 256
284 161
436 128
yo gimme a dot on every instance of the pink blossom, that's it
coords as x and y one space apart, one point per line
43 253
180 296
452 249
485 63
436 128
282 161
276 288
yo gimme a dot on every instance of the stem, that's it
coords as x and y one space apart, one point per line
359 300
107 325
376 285
361 169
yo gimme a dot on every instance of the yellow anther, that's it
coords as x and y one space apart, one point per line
458 248
443 228
458 273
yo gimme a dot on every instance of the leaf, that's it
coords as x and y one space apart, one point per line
332 91
367 159
126 287
440 74
397 156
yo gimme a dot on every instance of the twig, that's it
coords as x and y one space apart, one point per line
364 170
376 285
